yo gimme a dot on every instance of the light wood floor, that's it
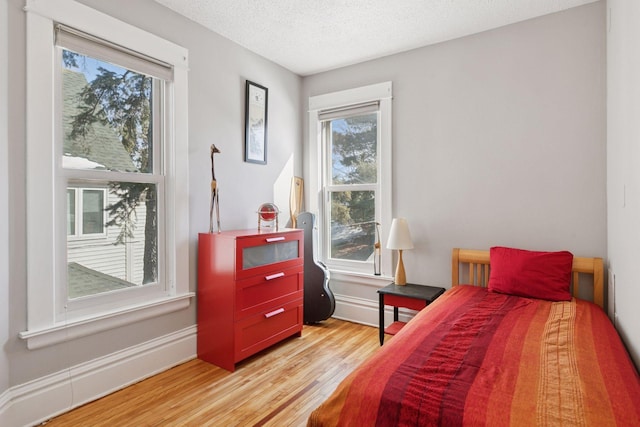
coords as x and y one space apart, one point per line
277 387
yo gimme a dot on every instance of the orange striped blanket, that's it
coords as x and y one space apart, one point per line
478 358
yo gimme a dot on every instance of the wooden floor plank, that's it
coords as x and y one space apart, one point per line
277 387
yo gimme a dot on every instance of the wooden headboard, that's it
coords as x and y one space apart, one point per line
479 266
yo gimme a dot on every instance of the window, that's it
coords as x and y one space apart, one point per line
85 213
351 131
111 118
106 110
351 184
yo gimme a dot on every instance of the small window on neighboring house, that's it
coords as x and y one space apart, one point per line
86 212
71 211
92 212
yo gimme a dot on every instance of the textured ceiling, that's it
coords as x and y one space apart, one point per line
310 36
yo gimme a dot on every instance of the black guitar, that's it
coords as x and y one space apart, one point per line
319 302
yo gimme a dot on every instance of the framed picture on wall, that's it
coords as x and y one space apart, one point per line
255 138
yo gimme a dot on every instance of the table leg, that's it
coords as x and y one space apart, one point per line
381 319
395 314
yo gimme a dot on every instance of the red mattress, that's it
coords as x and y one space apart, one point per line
479 358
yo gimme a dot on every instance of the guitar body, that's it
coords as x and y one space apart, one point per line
319 302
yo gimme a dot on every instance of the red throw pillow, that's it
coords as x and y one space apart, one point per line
531 274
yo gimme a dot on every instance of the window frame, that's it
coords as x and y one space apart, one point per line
87 45
320 174
46 234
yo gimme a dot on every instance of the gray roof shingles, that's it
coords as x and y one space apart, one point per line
101 145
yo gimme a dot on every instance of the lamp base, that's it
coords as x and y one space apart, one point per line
400 278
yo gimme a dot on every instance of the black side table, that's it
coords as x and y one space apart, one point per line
415 297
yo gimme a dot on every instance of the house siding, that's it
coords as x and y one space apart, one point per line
124 261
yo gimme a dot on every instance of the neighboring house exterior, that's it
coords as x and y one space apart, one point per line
96 263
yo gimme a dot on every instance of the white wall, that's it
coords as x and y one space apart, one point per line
623 166
498 139
218 70
4 201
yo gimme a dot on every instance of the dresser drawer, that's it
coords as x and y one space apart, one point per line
264 253
258 332
260 293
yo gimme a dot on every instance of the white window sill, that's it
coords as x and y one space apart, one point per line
360 278
62 332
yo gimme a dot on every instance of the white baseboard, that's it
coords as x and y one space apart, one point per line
39 400
366 311
357 299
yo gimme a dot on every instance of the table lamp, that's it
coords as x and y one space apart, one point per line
400 239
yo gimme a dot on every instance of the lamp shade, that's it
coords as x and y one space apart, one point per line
399 236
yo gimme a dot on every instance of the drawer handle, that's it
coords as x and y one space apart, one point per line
274 276
274 312
274 239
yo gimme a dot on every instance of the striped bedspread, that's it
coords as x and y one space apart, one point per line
485 359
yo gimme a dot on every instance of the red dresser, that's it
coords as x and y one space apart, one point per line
250 292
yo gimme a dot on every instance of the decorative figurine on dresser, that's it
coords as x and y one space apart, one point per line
250 292
214 206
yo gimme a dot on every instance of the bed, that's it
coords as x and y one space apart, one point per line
493 352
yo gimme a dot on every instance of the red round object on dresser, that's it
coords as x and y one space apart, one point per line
268 211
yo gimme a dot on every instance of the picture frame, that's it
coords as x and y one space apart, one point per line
255 139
